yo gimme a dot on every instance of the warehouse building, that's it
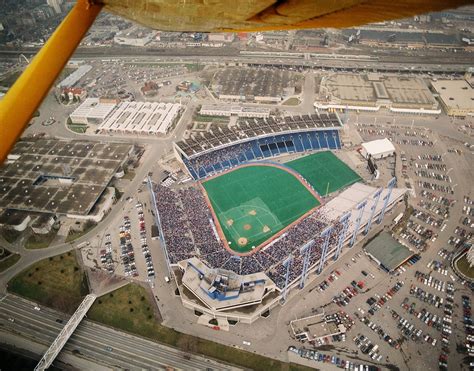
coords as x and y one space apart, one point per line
456 97
142 118
378 149
234 110
373 91
93 111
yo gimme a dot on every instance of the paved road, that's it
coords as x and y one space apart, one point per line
128 352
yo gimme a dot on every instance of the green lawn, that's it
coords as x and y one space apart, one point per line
463 265
255 202
324 171
40 241
114 309
291 102
10 235
56 282
9 261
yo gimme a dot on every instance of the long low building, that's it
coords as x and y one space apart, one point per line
373 91
142 118
93 111
456 96
234 110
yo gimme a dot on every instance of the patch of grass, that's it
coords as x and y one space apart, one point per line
54 282
10 235
114 310
130 174
9 261
291 102
40 241
77 128
205 118
74 235
463 265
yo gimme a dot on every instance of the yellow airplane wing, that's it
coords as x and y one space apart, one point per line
25 96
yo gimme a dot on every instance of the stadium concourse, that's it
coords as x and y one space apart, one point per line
189 227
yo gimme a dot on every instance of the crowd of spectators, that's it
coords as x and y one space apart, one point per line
188 231
221 156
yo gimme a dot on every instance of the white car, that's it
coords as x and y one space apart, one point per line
37 308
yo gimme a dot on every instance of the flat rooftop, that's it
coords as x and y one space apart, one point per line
347 88
58 176
388 251
455 94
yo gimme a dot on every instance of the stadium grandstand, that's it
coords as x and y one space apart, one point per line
205 226
221 148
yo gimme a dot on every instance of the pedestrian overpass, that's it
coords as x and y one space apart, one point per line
65 333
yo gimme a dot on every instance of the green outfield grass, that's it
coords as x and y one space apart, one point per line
325 172
255 202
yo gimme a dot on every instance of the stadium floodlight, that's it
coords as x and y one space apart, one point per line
376 198
390 186
305 251
325 234
287 264
360 207
344 220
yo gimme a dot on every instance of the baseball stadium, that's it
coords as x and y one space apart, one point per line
270 205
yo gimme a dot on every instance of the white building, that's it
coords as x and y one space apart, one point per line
235 110
379 148
56 5
141 118
74 77
93 111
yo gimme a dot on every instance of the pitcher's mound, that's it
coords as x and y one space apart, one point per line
252 212
266 229
242 241
230 222
247 227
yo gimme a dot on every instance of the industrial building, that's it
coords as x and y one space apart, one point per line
74 77
456 96
137 36
387 252
373 91
255 84
152 118
93 111
377 149
46 175
234 110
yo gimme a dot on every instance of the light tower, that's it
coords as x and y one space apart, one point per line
344 220
360 207
376 198
390 185
305 251
325 234
287 265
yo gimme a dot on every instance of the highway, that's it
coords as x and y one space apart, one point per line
90 340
